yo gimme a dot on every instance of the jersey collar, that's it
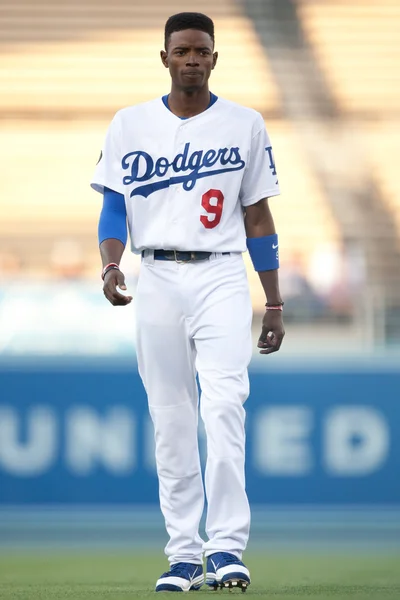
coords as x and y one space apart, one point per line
213 99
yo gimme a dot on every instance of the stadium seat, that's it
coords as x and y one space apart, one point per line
357 44
92 59
382 141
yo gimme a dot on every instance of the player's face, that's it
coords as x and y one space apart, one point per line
190 59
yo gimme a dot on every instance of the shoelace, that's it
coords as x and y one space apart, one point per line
180 570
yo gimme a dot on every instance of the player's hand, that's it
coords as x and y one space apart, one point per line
272 332
115 279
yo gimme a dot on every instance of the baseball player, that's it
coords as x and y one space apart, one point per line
191 174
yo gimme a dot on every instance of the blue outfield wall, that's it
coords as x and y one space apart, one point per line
81 434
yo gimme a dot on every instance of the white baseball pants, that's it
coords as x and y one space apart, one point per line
195 318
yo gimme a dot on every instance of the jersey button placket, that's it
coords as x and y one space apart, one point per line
179 148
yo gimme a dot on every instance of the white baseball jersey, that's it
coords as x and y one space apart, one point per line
185 181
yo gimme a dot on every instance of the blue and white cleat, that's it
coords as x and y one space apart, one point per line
224 570
182 577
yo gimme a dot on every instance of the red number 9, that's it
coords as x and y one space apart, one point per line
212 209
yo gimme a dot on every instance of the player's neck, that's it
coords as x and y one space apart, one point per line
188 104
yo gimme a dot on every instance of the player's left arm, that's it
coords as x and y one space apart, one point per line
260 226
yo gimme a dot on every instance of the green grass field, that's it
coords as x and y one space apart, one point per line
119 576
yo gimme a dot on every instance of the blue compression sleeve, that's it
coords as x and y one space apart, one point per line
264 252
112 222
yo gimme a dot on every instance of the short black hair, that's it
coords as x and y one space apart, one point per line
188 20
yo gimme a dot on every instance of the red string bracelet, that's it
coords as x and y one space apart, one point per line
107 268
272 306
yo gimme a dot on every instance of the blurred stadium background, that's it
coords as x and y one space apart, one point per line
76 462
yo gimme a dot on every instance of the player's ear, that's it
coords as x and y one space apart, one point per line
215 58
164 58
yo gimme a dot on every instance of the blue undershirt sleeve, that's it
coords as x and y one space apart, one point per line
112 222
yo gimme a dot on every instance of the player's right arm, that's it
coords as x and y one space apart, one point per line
112 229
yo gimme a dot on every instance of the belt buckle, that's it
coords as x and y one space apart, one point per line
183 261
